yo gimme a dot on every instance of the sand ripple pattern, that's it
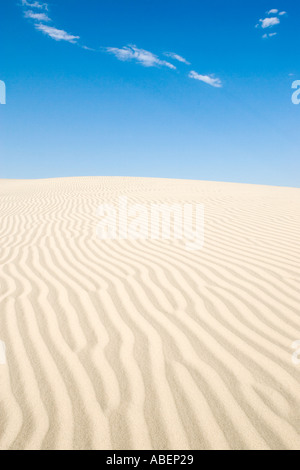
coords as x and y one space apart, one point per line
142 344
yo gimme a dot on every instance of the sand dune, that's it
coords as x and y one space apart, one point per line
141 344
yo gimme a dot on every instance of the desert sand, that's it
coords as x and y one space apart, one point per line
142 344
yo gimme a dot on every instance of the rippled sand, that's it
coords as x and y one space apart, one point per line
143 344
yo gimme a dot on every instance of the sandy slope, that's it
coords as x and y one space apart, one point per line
142 344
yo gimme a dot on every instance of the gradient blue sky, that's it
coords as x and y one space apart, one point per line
72 111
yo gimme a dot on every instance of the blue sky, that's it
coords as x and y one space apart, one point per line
178 89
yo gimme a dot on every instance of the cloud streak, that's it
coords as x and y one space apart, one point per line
39 5
270 35
57 34
209 79
42 17
177 57
130 53
143 57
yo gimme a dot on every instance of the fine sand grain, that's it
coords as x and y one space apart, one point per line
140 344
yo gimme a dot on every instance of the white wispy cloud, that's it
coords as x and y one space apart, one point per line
274 19
269 22
39 5
276 12
270 35
177 57
145 58
126 53
209 79
42 17
57 34
86 48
